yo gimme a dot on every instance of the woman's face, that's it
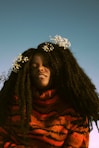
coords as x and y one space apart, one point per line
41 72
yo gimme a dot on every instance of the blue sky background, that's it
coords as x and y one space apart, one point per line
26 23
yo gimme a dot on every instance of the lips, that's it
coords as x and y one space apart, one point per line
42 76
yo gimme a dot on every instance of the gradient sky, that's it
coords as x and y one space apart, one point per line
26 23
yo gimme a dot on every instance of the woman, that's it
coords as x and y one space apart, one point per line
48 100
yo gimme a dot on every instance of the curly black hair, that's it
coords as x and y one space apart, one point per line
70 81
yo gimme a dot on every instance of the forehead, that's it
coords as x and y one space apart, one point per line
39 57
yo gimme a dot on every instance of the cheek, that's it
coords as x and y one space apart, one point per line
48 72
34 72
33 75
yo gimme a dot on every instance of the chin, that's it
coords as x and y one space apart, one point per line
44 87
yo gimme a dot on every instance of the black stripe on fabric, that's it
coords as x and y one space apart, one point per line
51 131
48 136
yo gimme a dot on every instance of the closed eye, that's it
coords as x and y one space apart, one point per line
35 65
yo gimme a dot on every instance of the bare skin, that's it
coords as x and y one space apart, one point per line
41 73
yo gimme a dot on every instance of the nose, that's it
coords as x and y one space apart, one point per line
41 68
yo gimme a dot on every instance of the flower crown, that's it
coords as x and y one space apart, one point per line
61 42
17 62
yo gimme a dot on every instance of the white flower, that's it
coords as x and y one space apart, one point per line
25 59
62 42
48 47
19 58
16 67
17 63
